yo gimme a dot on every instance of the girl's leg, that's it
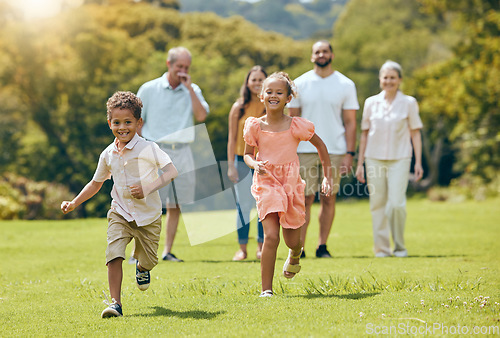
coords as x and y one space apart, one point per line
260 238
271 241
115 275
292 240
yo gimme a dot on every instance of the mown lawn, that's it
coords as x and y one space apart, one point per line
52 279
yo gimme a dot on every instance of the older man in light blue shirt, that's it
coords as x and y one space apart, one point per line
171 104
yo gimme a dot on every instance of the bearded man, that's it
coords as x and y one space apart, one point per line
329 100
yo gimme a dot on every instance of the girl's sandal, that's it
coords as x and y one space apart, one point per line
266 293
291 268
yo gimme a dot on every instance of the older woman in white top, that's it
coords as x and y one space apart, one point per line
390 125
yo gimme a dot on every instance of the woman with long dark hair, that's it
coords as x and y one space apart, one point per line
247 105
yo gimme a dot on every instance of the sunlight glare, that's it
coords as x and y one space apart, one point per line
37 8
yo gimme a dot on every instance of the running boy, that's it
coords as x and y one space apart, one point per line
136 207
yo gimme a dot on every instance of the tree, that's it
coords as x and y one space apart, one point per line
62 74
369 32
56 79
294 18
459 97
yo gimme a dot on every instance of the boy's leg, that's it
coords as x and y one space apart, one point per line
115 276
146 239
271 241
119 234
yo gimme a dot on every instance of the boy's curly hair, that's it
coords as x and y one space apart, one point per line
125 100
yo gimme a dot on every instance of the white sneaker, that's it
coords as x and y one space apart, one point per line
382 255
402 253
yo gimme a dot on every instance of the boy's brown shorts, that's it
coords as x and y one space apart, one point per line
121 232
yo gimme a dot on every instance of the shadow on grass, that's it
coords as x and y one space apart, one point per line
248 260
436 256
409 256
351 296
196 314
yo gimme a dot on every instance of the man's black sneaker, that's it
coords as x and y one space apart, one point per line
303 254
143 278
113 310
171 257
322 252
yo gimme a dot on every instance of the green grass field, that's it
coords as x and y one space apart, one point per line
52 279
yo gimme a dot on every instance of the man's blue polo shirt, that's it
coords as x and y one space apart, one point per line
167 112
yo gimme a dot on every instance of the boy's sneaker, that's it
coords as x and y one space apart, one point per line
142 278
322 252
113 310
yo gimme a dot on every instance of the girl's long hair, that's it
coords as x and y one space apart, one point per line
245 93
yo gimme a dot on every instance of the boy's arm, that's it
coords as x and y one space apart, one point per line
169 173
87 192
327 183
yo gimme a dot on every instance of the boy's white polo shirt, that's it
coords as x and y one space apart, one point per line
138 162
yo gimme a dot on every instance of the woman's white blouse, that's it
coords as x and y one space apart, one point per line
389 126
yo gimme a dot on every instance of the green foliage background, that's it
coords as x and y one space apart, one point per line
294 18
56 75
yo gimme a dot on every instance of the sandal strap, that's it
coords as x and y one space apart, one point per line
295 257
267 293
292 268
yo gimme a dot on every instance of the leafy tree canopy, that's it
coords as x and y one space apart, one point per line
459 96
58 76
294 18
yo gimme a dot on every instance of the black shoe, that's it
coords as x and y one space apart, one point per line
143 278
113 310
322 252
171 257
303 254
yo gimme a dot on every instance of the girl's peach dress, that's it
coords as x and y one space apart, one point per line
280 189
